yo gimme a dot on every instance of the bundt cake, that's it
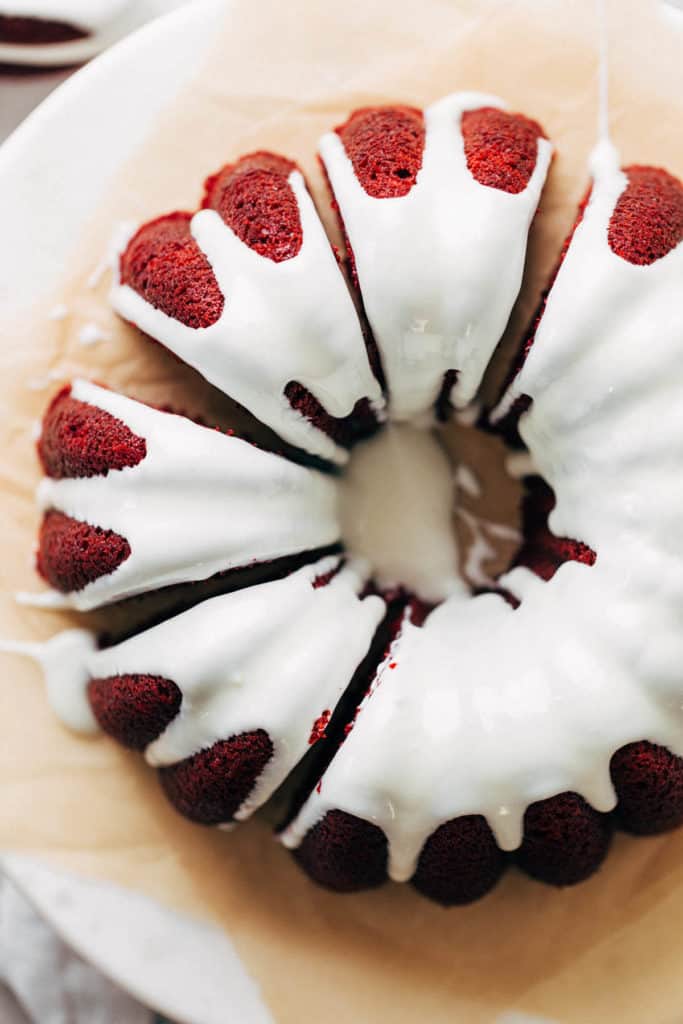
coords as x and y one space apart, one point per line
447 740
135 499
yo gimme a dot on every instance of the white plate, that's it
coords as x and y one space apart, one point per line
80 50
182 968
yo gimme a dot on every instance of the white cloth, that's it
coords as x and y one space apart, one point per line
42 981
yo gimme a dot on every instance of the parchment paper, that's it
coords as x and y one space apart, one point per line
281 74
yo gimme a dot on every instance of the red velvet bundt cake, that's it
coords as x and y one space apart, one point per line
447 735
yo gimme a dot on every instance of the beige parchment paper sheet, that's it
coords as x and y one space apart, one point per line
280 75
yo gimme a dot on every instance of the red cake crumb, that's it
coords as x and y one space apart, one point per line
80 440
37 31
460 862
385 146
565 840
255 199
163 263
326 577
500 147
647 221
344 853
210 786
72 554
542 551
134 709
344 431
319 726
648 780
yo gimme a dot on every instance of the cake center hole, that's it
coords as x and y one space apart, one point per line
431 511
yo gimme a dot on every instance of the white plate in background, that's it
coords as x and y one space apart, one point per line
46 55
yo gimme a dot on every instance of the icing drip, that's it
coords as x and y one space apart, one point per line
88 14
62 660
439 267
287 321
270 657
396 506
200 502
591 660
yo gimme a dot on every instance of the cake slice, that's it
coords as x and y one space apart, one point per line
436 208
226 698
135 499
248 292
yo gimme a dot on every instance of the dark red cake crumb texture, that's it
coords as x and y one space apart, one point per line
345 431
500 148
210 786
319 727
385 146
648 780
81 440
72 554
647 222
542 551
565 840
255 199
460 862
19 31
326 577
163 263
344 853
134 709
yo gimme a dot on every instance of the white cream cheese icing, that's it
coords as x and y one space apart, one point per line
440 267
274 657
488 709
288 321
200 502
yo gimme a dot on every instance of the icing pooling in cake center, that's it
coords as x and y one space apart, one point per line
396 509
